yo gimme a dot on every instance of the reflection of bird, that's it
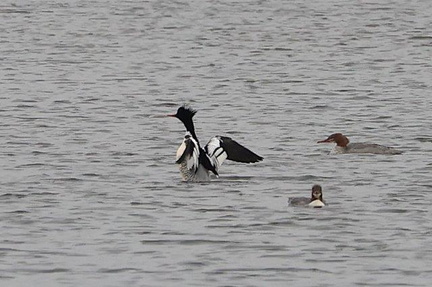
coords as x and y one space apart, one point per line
343 146
316 199
197 162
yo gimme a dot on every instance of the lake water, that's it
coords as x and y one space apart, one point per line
90 194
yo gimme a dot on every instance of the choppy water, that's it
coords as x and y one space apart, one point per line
90 194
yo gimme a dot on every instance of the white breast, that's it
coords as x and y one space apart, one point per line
316 203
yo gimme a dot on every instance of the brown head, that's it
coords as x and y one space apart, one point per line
337 138
316 193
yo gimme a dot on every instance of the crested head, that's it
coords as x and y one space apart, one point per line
316 192
337 138
185 112
185 115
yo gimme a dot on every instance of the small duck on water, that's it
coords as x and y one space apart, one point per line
316 200
343 145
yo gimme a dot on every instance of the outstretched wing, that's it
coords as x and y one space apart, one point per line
220 148
188 152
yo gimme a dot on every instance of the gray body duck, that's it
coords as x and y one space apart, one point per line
343 145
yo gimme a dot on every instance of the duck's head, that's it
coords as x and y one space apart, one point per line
316 193
185 114
337 138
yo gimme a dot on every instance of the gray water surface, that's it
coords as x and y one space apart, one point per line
90 194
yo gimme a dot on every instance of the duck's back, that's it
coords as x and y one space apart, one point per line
299 201
370 148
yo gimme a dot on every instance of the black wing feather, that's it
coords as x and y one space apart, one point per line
188 152
237 152
205 161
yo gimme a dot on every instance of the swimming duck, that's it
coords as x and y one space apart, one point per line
343 145
316 200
